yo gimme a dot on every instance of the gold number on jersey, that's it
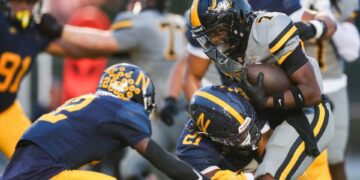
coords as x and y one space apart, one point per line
264 17
192 139
71 105
9 66
170 52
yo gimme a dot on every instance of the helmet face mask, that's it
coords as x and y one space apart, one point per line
20 12
128 82
247 138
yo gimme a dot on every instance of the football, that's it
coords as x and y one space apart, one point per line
275 79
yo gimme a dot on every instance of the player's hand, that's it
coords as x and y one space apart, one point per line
256 92
228 175
49 26
169 110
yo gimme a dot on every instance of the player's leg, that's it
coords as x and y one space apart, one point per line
285 156
318 170
13 123
337 147
81 175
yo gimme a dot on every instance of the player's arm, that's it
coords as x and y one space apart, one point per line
196 68
62 49
285 46
167 163
315 25
173 89
78 41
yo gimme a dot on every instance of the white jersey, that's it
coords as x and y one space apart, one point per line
153 40
273 39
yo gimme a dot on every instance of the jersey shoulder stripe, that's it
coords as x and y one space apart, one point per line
285 35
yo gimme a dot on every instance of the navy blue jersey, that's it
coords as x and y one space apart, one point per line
88 127
201 153
18 48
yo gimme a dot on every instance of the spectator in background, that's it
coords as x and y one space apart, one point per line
80 76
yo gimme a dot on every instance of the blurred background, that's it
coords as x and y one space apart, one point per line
47 86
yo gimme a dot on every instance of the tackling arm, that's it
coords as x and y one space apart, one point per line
77 41
171 166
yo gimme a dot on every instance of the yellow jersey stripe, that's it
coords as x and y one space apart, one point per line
122 25
194 16
221 103
301 147
282 59
283 40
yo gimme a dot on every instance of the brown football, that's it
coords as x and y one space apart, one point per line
275 79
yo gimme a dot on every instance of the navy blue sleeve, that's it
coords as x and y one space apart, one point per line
131 124
198 151
284 6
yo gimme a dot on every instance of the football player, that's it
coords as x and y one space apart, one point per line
154 40
332 54
88 127
232 35
225 138
20 42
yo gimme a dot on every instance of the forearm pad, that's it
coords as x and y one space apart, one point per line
174 168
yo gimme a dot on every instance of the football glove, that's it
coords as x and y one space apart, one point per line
169 110
50 27
256 93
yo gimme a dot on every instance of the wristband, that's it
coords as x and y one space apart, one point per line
279 102
298 97
320 27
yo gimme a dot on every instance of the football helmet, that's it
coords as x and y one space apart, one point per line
20 12
222 27
128 83
226 116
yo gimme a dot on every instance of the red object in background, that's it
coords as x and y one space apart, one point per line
81 76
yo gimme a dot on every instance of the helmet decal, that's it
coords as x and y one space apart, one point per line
221 103
200 123
194 16
128 83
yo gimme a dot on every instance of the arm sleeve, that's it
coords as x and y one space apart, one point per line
174 168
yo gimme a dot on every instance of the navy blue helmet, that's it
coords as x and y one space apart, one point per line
129 83
226 116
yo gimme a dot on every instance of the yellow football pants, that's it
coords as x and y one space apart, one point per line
13 123
81 175
318 170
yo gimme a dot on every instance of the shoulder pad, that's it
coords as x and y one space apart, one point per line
273 30
268 26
